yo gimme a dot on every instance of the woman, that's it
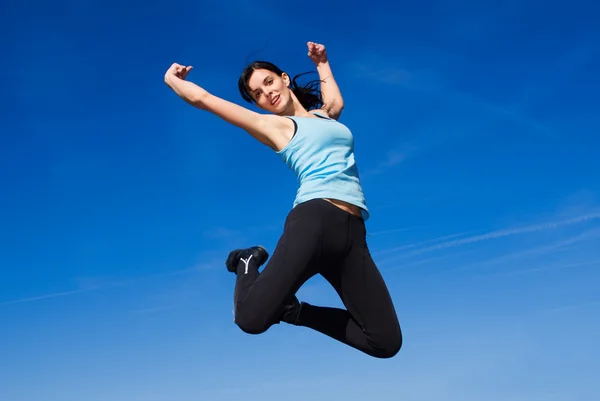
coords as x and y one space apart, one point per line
324 233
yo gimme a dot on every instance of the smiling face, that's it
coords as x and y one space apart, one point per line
269 90
266 85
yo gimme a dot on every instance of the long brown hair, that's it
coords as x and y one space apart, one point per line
309 94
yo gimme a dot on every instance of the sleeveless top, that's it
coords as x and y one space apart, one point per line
321 154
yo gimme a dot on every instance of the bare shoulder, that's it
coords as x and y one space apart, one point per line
279 130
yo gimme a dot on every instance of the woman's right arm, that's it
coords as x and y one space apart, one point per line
265 128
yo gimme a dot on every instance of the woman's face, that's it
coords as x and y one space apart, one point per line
270 91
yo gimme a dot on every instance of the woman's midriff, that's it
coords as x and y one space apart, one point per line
352 209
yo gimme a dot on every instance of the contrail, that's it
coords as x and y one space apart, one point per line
101 287
507 232
47 296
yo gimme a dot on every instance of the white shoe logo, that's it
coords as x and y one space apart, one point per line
246 262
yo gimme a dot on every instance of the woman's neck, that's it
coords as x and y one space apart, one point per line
296 109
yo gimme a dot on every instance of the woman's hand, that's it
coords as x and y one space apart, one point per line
188 91
177 71
317 53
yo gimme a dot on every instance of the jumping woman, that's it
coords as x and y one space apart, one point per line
324 233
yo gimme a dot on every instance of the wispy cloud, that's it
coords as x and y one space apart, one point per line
46 296
418 244
535 251
392 158
508 232
392 71
545 249
97 284
570 307
392 230
542 269
394 264
455 114
506 112
387 74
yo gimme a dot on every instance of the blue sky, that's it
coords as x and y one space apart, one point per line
476 133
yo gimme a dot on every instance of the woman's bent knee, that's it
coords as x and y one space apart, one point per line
390 350
388 346
251 324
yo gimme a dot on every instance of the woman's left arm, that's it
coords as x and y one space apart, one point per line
332 96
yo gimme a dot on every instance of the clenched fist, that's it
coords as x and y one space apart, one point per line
317 53
177 70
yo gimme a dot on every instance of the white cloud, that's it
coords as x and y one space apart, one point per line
95 284
508 232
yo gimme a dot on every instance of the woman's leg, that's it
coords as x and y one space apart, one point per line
260 299
370 323
318 238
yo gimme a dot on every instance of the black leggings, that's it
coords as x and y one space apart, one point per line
320 238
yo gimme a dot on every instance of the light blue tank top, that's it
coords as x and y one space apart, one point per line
321 154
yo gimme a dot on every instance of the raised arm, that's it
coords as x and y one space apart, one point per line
332 96
267 129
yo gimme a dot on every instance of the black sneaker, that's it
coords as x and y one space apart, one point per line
257 254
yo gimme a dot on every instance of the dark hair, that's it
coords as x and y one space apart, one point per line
309 94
